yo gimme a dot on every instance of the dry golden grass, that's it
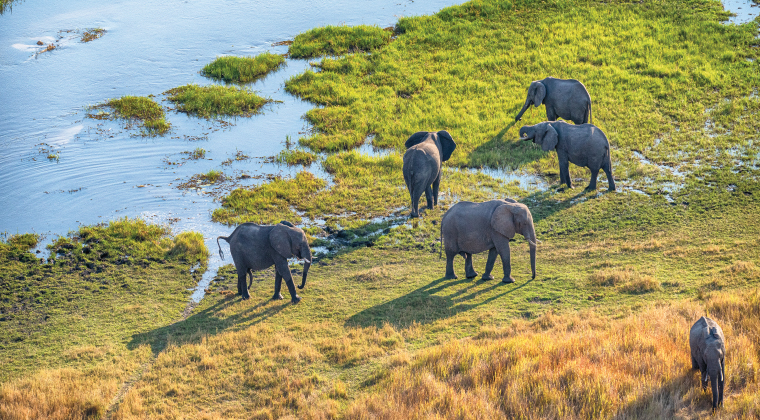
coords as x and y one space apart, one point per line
578 367
627 279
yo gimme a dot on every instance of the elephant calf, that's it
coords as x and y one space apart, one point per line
468 228
584 145
708 354
564 98
422 165
255 247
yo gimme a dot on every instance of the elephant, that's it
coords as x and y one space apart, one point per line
422 165
584 145
257 247
564 98
708 354
468 228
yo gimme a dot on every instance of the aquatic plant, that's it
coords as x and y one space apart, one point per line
242 69
92 34
212 176
296 157
144 109
215 100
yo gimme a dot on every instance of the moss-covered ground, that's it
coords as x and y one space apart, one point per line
602 330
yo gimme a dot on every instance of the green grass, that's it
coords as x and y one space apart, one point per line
101 285
144 109
213 176
216 100
296 157
198 153
242 69
338 40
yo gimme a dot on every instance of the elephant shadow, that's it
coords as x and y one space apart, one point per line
429 303
670 396
208 321
543 205
500 153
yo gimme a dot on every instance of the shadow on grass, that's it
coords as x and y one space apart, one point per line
426 305
667 399
206 322
509 153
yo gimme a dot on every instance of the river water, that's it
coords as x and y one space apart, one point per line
60 169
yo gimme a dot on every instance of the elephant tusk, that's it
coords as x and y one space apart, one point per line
307 261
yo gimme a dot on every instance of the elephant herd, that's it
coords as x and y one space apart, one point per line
468 228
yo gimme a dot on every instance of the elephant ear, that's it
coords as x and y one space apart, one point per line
281 241
447 145
503 221
416 138
549 138
539 95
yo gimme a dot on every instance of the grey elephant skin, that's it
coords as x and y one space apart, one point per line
708 354
469 228
584 145
257 247
425 151
564 98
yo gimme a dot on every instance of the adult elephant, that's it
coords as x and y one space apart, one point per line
425 151
564 98
584 145
256 247
708 354
469 228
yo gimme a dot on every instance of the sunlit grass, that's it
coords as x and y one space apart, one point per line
296 157
242 69
212 176
216 100
337 40
144 109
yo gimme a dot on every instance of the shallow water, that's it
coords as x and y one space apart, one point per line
745 10
104 171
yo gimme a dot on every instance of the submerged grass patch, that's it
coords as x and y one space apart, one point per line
337 40
215 100
242 69
144 109
92 34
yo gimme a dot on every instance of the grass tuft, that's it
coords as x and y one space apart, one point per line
189 246
296 157
212 176
242 69
145 109
215 100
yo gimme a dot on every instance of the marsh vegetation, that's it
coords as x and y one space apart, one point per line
216 100
242 69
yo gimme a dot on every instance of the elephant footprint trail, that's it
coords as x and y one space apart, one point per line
140 372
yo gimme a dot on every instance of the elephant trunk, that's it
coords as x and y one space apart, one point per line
530 235
522 111
714 384
306 255
305 271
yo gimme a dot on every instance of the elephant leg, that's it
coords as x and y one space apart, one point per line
450 264
489 264
277 286
550 114
592 182
284 271
429 196
502 247
468 269
564 170
436 184
608 171
242 287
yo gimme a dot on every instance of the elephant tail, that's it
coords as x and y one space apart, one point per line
590 119
227 239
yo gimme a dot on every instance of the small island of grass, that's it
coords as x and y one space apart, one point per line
141 108
242 69
214 100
